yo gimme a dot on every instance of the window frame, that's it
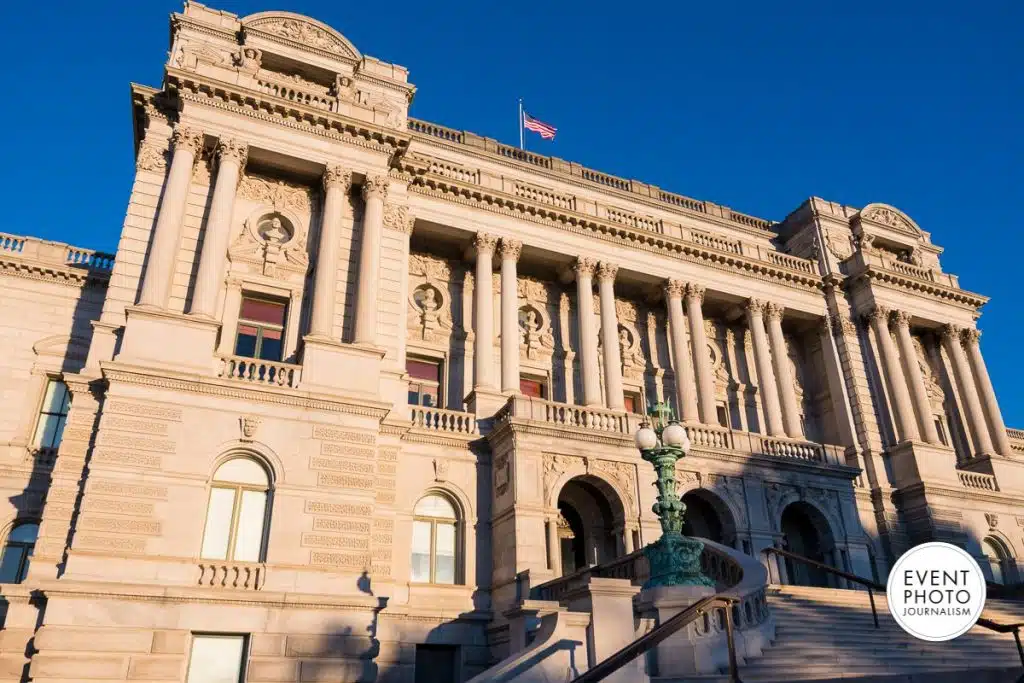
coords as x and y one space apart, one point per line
458 578
540 380
27 549
243 668
638 401
261 326
237 489
41 413
441 366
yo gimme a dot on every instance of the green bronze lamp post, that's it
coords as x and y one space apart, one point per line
674 559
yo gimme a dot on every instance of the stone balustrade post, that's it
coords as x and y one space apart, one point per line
510 251
483 299
783 376
912 371
767 386
156 283
701 359
336 181
610 337
906 423
986 392
231 157
975 416
588 335
685 394
375 191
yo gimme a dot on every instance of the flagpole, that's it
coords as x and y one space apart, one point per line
521 124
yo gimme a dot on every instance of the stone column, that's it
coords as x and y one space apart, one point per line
987 393
156 284
783 376
912 371
588 335
375 191
554 546
231 156
906 424
483 295
701 359
686 395
610 337
767 387
325 284
975 417
510 250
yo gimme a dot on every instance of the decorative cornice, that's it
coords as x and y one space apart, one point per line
232 150
484 243
675 288
376 187
932 290
510 249
187 139
606 272
69 276
336 175
585 266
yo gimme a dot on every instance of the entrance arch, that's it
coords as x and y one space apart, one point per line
707 516
1000 559
590 526
806 531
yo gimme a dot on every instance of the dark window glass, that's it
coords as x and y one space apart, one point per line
52 415
723 416
20 544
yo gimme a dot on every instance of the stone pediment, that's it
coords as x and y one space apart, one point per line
302 31
892 218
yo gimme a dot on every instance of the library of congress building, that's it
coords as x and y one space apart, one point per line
356 397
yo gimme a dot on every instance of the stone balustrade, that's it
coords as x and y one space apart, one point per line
55 253
978 480
1016 439
710 436
572 416
234 575
262 372
444 421
889 263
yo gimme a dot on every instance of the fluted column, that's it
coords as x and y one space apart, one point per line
912 371
510 250
610 337
231 156
975 416
483 300
588 335
686 394
701 359
325 283
987 393
906 424
767 387
783 376
156 284
375 191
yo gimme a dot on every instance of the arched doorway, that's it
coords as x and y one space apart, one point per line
999 559
805 531
590 524
707 516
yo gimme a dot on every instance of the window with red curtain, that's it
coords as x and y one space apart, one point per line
424 382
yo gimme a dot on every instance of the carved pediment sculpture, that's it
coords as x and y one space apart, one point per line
890 217
247 59
306 32
932 385
430 306
277 194
535 339
188 54
633 362
272 241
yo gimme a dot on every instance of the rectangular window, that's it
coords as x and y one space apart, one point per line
633 402
532 387
424 382
420 551
261 328
52 415
723 415
940 430
218 524
216 658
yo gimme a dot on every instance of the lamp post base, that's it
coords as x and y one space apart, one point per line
674 560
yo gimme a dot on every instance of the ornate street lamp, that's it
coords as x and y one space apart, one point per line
674 559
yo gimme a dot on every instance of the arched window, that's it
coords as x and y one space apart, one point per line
20 544
236 517
999 559
435 551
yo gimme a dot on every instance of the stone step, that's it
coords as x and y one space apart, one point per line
986 675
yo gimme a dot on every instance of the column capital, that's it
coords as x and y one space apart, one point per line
674 288
695 292
773 311
951 333
879 312
376 186
754 307
510 249
971 335
337 176
899 319
585 266
606 272
186 138
229 149
484 243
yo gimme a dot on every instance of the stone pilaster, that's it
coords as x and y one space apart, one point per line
986 392
375 191
912 371
767 386
610 337
156 282
483 300
783 376
975 417
588 335
906 423
336 185
701 359
685 394
510 251
231 157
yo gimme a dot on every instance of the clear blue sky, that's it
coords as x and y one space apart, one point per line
755 105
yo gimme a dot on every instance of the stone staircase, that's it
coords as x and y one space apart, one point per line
825 634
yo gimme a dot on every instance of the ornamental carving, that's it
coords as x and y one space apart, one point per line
532 290
248 425
273 241
606 272
510 249
754 307
337 176
188 55
890 218
865 243
153 156
675 288
391 107
631 353
992 519
247 59
429 267
584 266
187 139
502 474
536 340
232 150
932 385
840 245
877 314
899 319
441 467
344 89
396 217
201 170
971 336
484 243
430 303
554 467
841 324
695 292
376 187
625 311
304 32
278 194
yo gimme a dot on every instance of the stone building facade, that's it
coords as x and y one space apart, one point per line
351 376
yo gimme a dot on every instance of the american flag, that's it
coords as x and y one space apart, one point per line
546 131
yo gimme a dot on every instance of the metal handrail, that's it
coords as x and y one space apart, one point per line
663 631
984 622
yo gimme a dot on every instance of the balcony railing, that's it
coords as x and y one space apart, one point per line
261 372
1016 439
444 421
978 480
234 575
573 416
